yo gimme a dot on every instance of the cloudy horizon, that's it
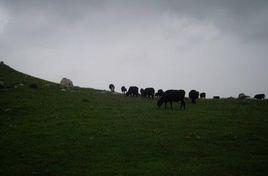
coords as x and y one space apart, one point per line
219 47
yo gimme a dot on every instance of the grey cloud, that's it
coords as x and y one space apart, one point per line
207 45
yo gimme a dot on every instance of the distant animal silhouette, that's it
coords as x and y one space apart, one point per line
111 87
193 95
133 91
203 95
141 91
216 97
172 96
260 96
123 89
147 92
242 96
159 93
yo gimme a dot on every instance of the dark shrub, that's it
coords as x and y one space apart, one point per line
33 86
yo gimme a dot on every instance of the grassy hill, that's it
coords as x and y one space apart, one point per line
47 131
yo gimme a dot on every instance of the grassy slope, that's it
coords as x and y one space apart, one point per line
47 131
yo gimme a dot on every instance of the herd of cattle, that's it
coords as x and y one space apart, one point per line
170 96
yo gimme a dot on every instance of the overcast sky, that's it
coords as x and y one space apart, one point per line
216 46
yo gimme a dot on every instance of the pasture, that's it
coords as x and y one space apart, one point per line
47 131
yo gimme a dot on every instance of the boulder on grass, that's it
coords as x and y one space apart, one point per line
67 83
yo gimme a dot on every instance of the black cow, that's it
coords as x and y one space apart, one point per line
203 95
159 93
216 97
170 96
147 92
193 95
141 91
133 91
123 89
111 87
260 96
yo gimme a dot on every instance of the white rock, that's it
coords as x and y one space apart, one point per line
67 83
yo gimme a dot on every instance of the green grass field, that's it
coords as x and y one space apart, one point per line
47 131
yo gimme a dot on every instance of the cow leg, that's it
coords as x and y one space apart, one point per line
171 105
182 105
165 105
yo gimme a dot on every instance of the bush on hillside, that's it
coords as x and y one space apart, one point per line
33 86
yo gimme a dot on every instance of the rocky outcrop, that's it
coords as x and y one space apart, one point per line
67 83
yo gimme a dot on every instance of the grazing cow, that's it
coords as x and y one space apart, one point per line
123 89
147 92
193 95
170 96
203 95
133 91
111 87
260 96
216 97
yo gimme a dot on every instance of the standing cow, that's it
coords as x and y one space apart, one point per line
123 89
259 96
147 92
203 95
159 93
193 95
111 87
